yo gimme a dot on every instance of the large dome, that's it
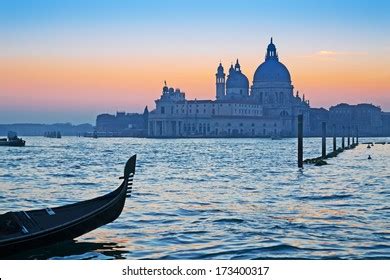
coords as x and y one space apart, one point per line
271 70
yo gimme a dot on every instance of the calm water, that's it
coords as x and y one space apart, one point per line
209 198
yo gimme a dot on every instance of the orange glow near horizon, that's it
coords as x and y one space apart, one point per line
82 58
124 82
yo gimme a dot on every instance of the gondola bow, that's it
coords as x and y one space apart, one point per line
24 230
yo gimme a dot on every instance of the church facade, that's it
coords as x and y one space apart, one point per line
267 108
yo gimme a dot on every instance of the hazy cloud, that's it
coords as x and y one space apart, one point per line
329 53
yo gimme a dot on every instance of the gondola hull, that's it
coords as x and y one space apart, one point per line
48 226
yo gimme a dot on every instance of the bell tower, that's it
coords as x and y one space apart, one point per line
220 82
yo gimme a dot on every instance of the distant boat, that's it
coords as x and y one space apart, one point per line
12 140
52 134
276 137
24 230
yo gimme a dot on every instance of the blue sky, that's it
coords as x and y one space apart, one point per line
190 36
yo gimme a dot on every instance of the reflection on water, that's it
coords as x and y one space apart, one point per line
74 250
208 198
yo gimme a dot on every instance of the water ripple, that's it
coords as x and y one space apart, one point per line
209 198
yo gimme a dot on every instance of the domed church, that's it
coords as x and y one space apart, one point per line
266 109
237 84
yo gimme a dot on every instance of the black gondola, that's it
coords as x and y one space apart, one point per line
24 230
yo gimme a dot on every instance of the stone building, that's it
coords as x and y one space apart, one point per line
122 124
267 108
367 118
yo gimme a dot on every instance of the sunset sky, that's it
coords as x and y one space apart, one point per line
70 60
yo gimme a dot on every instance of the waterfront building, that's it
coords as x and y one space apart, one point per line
122 124
386 123
364 119
317 117
367 118
267 108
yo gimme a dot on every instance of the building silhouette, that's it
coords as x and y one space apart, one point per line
122 124
267 108
366 118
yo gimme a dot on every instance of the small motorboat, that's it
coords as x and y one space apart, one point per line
12 140
23 230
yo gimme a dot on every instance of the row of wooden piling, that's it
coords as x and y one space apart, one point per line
321 160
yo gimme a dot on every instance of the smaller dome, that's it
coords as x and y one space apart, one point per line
237 79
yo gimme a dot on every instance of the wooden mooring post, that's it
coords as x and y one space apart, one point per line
323 139
343 139
334 138
357 135
300 141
